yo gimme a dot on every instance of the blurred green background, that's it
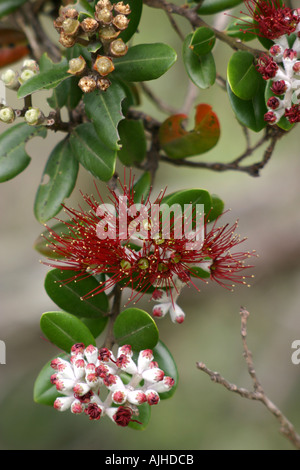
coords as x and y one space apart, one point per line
201 415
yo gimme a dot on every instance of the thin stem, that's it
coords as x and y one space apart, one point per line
116 307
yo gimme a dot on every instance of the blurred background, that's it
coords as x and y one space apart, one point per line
201 415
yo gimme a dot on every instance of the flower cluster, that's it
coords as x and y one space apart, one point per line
108 22
122 241
281 67
94 382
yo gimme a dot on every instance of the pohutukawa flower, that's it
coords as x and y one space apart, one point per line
81 388
145 247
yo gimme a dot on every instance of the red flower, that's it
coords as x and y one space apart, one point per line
123 416
271 20
293 113
267 67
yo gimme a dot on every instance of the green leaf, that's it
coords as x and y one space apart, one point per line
166 362
68 295
93 155
202 41
64 330
239 28
200 69
67 93
43 243
105 112
189 196
142 187
8 6
83 6
242 76
143 417
178 143
45 80
61 171
249 113
95 325
210 7
13 157
145 62
133 142
217 208
136 7
44 392
135 327
199 273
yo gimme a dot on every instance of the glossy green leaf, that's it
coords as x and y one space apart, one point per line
143 417
95 325
241 28
202 41
145 62
45 80
189 196
200 69
249 113
93 155
44 392
242 76
210 7
283 123
199 273
69 295
13 156
135 327
136 7
105 112
217 208
67 93
178 143
142 187
58 181
133 142
83 7
8 6
166 362
64 330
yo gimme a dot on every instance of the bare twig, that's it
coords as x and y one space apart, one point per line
161 105
116 307
286 427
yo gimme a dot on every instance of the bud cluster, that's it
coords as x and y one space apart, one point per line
108 22
124 384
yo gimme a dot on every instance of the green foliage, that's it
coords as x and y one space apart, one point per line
135 327
201 69
8 6
243 78
209 7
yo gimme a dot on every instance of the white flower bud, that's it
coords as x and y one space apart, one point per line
7 115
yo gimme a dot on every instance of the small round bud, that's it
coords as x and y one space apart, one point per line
34 117
270 117
10 79
279 87
103 84
273 102
108 33
26 75
103 4
7 115
103 65
70 26
296 67
66 40
87 84
121 22
89 25
77 66
104 16
70 13
118 48
122 9
31 64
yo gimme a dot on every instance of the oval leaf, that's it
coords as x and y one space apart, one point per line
133 142
13 157
143 417
178 143
242 76
145 62
217 208
209 7
166 362
105 112
58 181
68 295
200 69
189 196
142 188
202 41
135 327
93 155
64 330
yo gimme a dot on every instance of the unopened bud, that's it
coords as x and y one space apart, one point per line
34 117
103 65
108 33
89 25
103 4
122 9
118 48
296 67
77 66
87 84
26 75
10 79
31 64
70 26
121 22
103 84
66 40
7 115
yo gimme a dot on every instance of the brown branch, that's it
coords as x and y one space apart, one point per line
286 427
116 307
